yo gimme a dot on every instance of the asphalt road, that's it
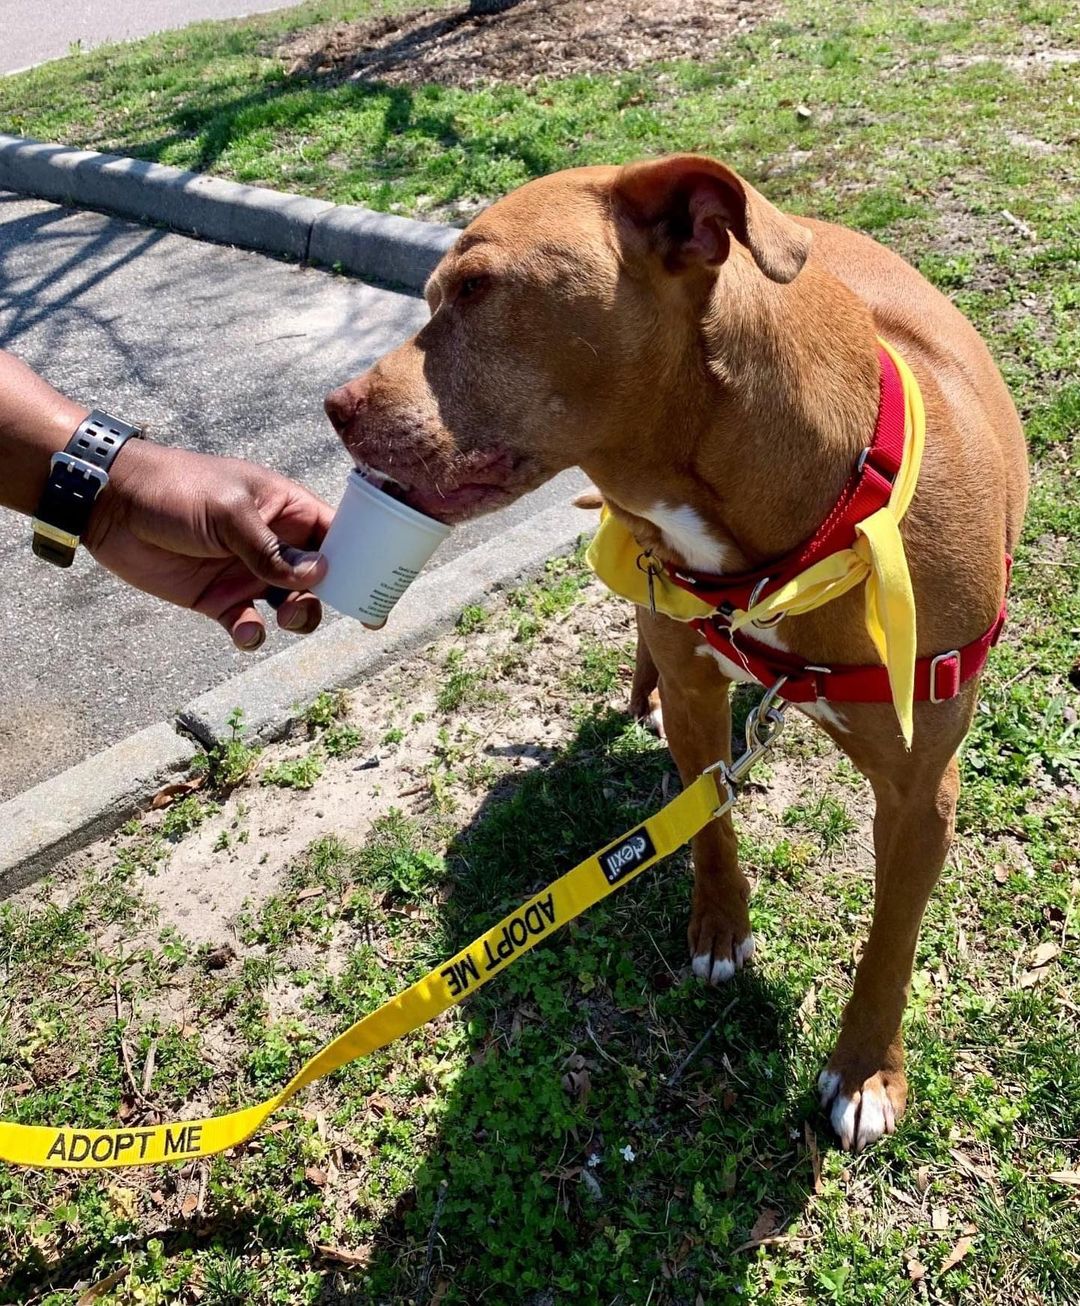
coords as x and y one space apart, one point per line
214 348
36 30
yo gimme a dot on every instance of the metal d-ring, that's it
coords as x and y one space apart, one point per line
754 593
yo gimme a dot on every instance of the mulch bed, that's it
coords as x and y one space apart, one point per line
532 40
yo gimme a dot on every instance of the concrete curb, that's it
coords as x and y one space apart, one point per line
271 693
62 815
375 246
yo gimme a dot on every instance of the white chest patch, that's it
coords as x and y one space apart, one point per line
685 530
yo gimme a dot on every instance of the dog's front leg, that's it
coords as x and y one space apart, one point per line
695 699
864 1086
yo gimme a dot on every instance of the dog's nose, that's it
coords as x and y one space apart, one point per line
343 404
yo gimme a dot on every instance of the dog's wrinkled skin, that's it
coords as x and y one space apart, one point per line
711 364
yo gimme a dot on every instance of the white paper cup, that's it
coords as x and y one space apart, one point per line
375 547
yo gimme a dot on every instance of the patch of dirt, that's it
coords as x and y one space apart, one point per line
1035 60
531 40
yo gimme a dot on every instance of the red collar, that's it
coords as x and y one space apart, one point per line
868 488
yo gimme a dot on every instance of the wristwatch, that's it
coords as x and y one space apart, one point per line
77 476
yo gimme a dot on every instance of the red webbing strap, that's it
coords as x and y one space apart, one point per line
868 489
937 678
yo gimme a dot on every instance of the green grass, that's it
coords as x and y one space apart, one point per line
474 1137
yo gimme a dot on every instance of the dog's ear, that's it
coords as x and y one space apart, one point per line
690 206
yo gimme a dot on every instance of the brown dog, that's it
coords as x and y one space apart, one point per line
711 364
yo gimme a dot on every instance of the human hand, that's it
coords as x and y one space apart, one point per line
212 534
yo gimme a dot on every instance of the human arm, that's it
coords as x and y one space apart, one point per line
205 532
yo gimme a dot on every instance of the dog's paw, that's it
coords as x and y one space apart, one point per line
717 948
862 1112
649 714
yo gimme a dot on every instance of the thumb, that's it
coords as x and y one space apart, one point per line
268 558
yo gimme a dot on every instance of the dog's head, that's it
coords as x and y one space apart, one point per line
560 321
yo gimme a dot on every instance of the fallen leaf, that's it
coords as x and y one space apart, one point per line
189 1205
815 1157
1032 977
966 1163
729 1099
1065 1177
343 1255
312 891
961 1249
315 1176
381 1104
915 1270
1001 874
220 957
1045 953
922 1178
99 1289
577 1085
168 794
807 1008
766 1223
939 1219
122 1201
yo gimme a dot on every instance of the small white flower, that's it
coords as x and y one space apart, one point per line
628 1153
768 1072
593 1159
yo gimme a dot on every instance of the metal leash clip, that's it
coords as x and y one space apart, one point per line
649 565
763 727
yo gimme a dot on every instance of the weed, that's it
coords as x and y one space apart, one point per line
228 763
295 772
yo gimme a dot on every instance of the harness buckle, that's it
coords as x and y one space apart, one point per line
819 690
951 662
885 474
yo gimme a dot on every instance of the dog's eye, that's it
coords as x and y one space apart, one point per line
471 289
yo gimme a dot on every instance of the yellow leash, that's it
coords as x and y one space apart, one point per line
710 795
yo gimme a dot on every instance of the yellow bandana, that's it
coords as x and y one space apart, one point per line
877 557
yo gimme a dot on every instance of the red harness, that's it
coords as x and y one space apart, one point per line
937 678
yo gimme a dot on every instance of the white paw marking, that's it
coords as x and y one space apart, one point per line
859 1120
655 722
686 531
723 968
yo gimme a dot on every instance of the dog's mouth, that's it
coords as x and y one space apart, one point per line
475 483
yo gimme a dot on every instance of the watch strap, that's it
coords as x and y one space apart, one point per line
77 475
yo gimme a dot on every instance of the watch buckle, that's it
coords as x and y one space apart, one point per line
79 468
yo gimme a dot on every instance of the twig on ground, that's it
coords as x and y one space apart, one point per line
596 1044
432 1235
125 1056
680 1069
148 1067
1020 225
